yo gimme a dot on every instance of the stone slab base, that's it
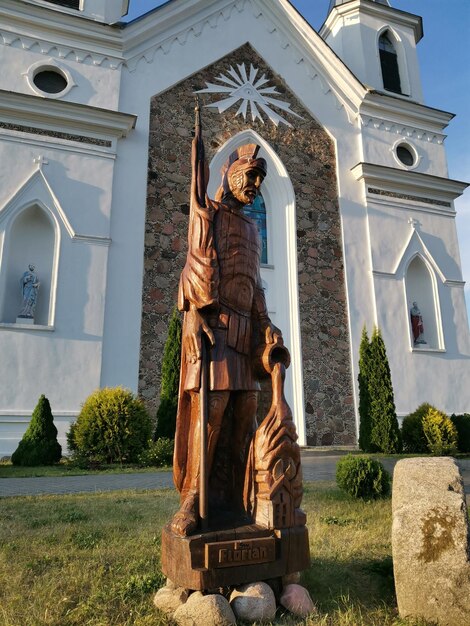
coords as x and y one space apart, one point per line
25 320
232 557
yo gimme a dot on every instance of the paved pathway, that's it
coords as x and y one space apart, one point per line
316 466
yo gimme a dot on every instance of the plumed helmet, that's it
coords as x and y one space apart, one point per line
243 158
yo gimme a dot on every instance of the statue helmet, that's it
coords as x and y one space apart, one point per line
243 158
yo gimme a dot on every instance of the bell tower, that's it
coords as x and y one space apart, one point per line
377 43
104 11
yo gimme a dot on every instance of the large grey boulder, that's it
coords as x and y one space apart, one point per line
430 541
200 610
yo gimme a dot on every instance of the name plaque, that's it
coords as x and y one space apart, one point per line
241 552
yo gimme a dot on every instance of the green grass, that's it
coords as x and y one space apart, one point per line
65 468
94 560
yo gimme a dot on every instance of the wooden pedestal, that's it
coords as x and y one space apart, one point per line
232 557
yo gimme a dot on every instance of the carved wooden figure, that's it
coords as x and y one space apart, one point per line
240 491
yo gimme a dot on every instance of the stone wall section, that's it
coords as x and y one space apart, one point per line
308 155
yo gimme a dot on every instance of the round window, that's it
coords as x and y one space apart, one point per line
50 81
405 155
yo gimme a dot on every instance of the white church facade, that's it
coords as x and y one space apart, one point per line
358 221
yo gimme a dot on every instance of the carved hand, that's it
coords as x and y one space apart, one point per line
195 326
271 333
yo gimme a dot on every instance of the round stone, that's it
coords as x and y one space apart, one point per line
254 601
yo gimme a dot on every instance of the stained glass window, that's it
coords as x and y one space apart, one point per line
257 211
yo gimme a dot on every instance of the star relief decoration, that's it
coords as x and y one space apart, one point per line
254 95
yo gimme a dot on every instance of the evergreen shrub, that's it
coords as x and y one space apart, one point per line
112 427
166 412
39 445
158 454
364 397
462 425
385 433
362 477
440 433
412 430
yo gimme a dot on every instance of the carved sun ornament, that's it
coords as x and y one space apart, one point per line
254 94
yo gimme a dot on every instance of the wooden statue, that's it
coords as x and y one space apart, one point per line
229 480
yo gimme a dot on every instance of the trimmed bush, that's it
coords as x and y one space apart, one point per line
166 412
385 432
462 424
39 445
158 454
412 430
112 427
440 433
362 477
364 397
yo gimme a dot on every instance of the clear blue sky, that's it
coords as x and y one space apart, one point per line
444 54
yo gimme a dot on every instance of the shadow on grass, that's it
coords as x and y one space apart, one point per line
365 581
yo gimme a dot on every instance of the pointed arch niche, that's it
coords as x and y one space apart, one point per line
279 274
421 287
31 236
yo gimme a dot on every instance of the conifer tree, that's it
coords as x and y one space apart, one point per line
385 433
364 398
39 445
166 413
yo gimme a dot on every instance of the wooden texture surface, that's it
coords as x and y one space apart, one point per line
184 559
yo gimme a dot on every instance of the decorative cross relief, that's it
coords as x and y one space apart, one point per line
41 160
414 223
254 94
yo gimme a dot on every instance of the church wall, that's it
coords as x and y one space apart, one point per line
98 303
59 356
308 155
93 85
163 67
435 372
437 376
379 145
35 37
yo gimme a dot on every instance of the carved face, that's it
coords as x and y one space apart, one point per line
245 184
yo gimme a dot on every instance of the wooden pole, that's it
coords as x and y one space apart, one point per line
203 418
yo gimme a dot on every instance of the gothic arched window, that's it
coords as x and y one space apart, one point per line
389 63
257 211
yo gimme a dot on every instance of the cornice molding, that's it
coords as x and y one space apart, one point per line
60 116
171 24
405 182
60 35
418 205
404 112
405 130
375 9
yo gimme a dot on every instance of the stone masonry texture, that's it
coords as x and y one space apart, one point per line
308 155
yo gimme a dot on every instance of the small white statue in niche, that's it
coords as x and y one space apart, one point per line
29 291
417 325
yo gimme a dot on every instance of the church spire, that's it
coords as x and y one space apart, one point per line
104 11
377 43
335 3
